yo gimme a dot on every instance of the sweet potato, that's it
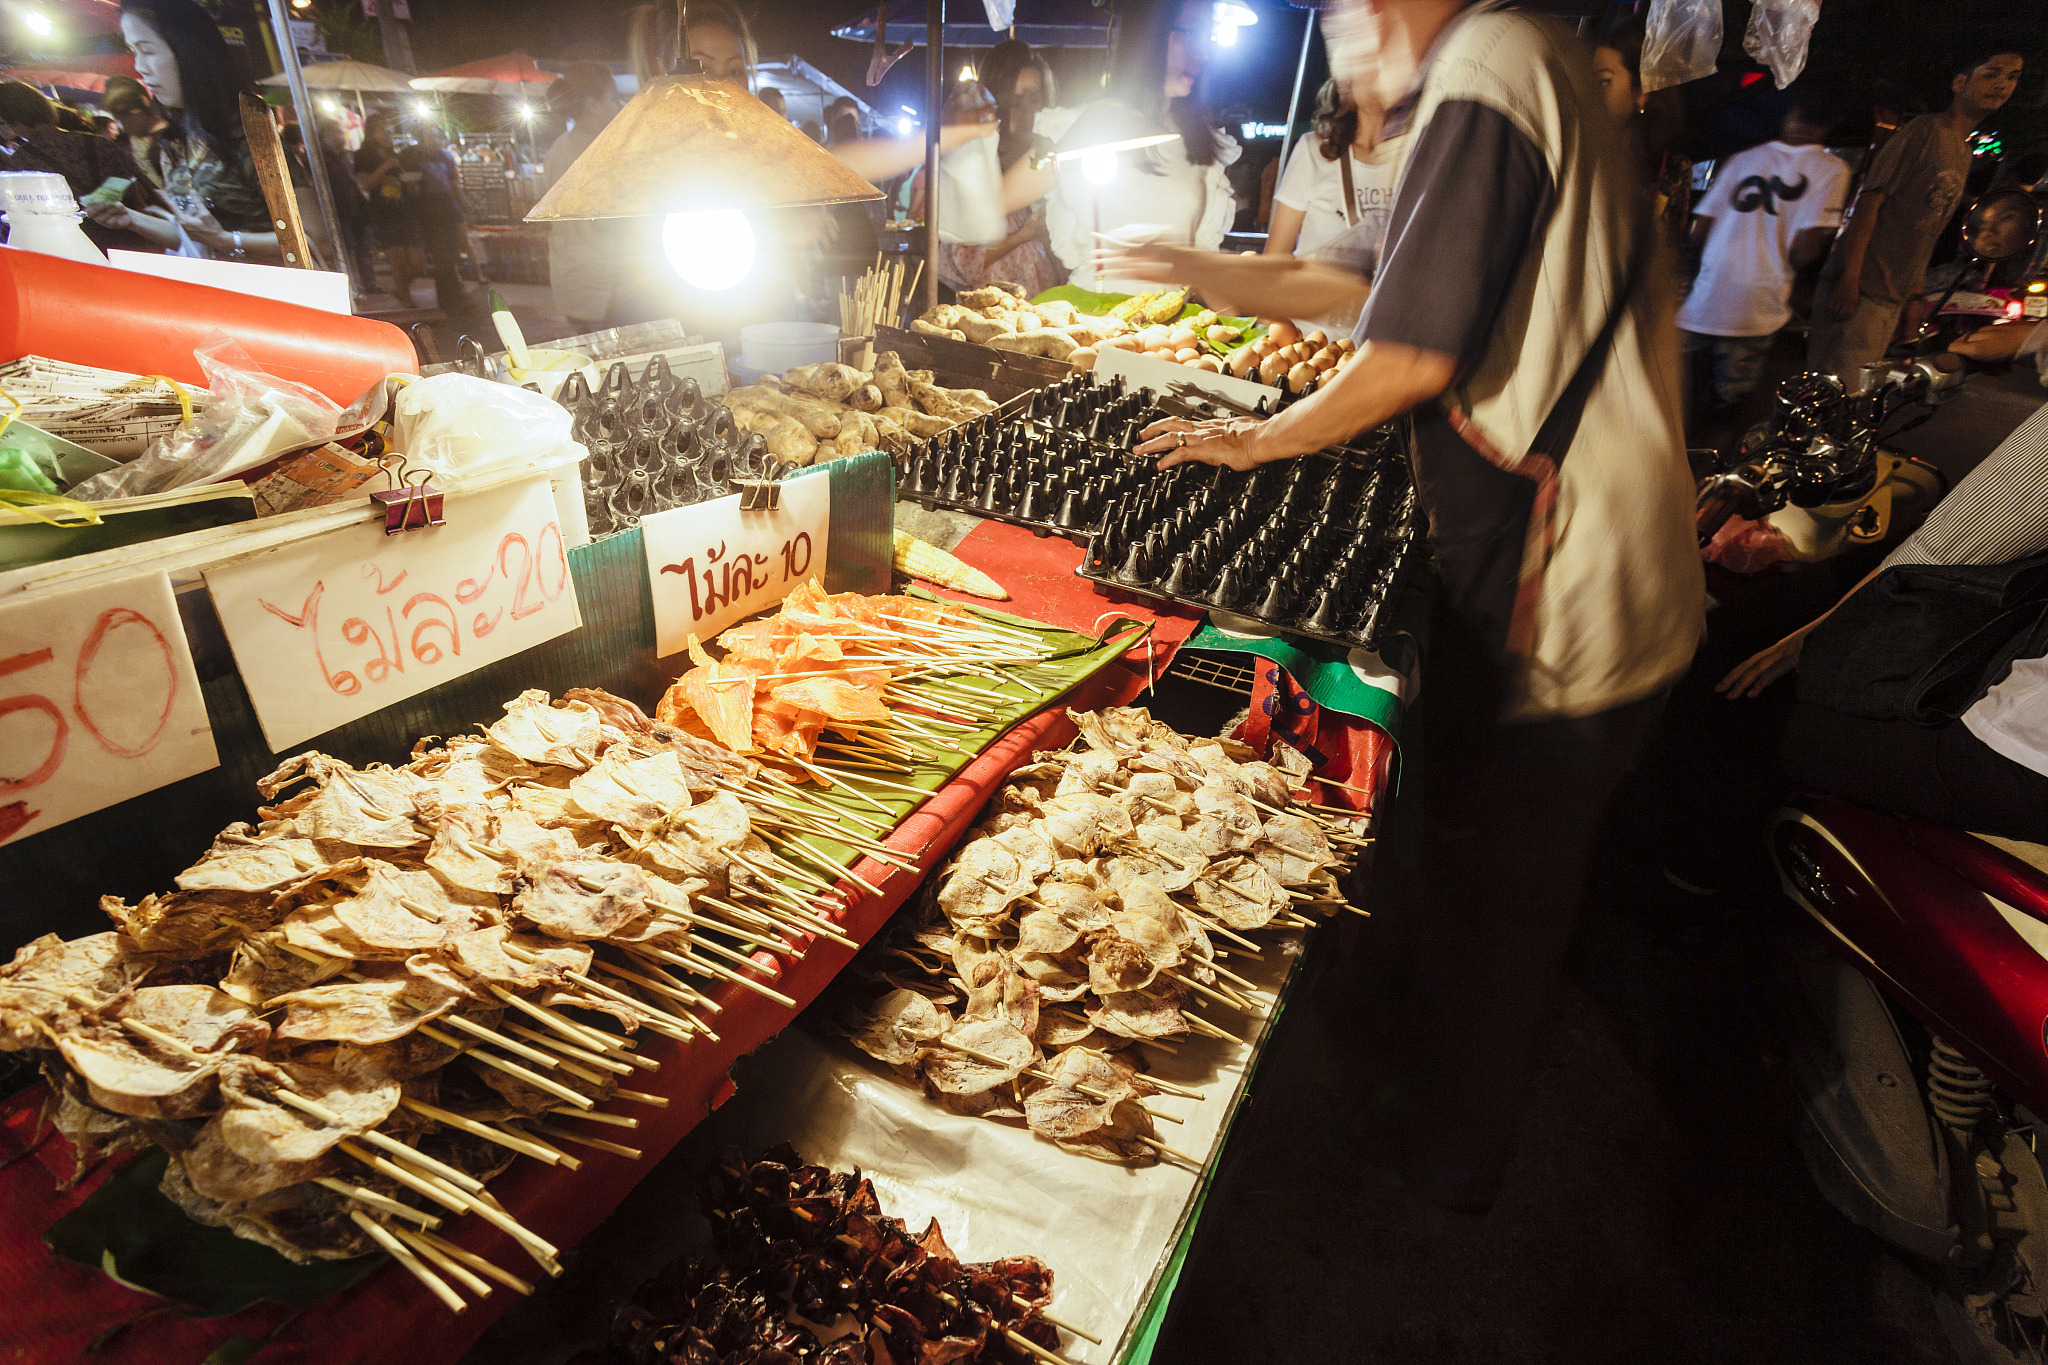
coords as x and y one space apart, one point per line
1056 313
932 330
819 418
946 315
1089 330
832 382
916 423
955 405
1049 342
866 398
983 330
994 297
787 439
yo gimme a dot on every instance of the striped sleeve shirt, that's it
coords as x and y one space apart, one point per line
1997 514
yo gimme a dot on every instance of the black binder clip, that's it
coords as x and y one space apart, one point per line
764 494
408 505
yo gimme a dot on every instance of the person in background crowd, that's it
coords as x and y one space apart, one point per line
1909 193
1548 453
775 100
585 259
842 126
1771 213
108 127
137 113
1651 121
70 120
719 39
393 218
351 205
813 130
1157 67
201 154
1022 85
436 193
1335 198
34 142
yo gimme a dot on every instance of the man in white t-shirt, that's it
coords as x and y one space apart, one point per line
1772 212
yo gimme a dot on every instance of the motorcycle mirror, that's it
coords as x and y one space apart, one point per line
2002 226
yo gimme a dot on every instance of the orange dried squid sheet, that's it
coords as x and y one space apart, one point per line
787 678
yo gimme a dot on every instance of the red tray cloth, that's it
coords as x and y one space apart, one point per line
1038 572
55 1308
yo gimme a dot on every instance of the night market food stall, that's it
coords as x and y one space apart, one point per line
434 799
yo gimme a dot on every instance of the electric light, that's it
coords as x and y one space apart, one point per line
966 73
527 111
903 127
1098 164
37 21
1229 17
711 248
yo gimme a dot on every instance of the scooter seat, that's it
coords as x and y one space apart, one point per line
2033 855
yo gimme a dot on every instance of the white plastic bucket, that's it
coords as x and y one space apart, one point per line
775 346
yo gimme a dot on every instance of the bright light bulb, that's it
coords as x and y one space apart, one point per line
1224 35
966 73
328 107
423 109
903 127
712 249
1099 165
37 21
908 110
526 111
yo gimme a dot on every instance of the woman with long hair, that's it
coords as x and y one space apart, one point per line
85 160
1174 192
1022 85
1335 198
201 154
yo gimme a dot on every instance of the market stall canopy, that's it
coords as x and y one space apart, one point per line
87 72
347 75
686 144
804 88
511 73
1050 23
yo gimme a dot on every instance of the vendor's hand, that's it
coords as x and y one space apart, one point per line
1225 441
1750 677
1842 298
202 227
111 216
1154 261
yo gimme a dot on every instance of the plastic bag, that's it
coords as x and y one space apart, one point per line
459 425
1681 42
1778 30
252 418
971 194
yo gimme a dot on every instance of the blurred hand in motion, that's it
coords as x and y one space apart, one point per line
1160 263
1228 441
1842 298
1750 677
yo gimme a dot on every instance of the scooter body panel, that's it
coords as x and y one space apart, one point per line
1903 901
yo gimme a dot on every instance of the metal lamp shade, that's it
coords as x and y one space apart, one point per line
686 144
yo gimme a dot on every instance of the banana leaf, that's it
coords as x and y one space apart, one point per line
137 1236
1098 304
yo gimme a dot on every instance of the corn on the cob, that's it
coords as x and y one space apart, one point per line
1165 307
1129 309
920 560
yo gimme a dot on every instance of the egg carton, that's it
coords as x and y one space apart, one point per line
1320 546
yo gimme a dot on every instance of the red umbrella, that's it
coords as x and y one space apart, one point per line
511 73
88 72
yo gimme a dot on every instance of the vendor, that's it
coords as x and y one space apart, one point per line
1021 84
201 155
1175 192
1548 453
34 142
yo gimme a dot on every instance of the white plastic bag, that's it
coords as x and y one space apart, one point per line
971 194
1681 42
1778 30
459 425
250 419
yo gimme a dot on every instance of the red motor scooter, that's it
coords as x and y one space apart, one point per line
1913 1036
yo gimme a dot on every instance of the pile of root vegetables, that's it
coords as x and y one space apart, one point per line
1087 919
822 412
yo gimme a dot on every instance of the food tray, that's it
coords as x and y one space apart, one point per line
1319 546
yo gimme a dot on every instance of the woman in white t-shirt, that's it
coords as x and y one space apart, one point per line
1175 192
1335 198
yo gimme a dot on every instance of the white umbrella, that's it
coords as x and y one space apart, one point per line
348 75
512 74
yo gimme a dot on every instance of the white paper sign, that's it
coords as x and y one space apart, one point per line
329 629
98 702
712 564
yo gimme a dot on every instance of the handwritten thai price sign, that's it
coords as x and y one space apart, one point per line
98 702
332 628
712 564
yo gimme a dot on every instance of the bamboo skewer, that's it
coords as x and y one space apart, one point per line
402 1254
474 1261
538 1151
377 1201
1156 1145
585 1055
1069 1328
563 1135
444 1263
1019 1339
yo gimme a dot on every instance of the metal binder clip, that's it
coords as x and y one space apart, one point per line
407 505
764 494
